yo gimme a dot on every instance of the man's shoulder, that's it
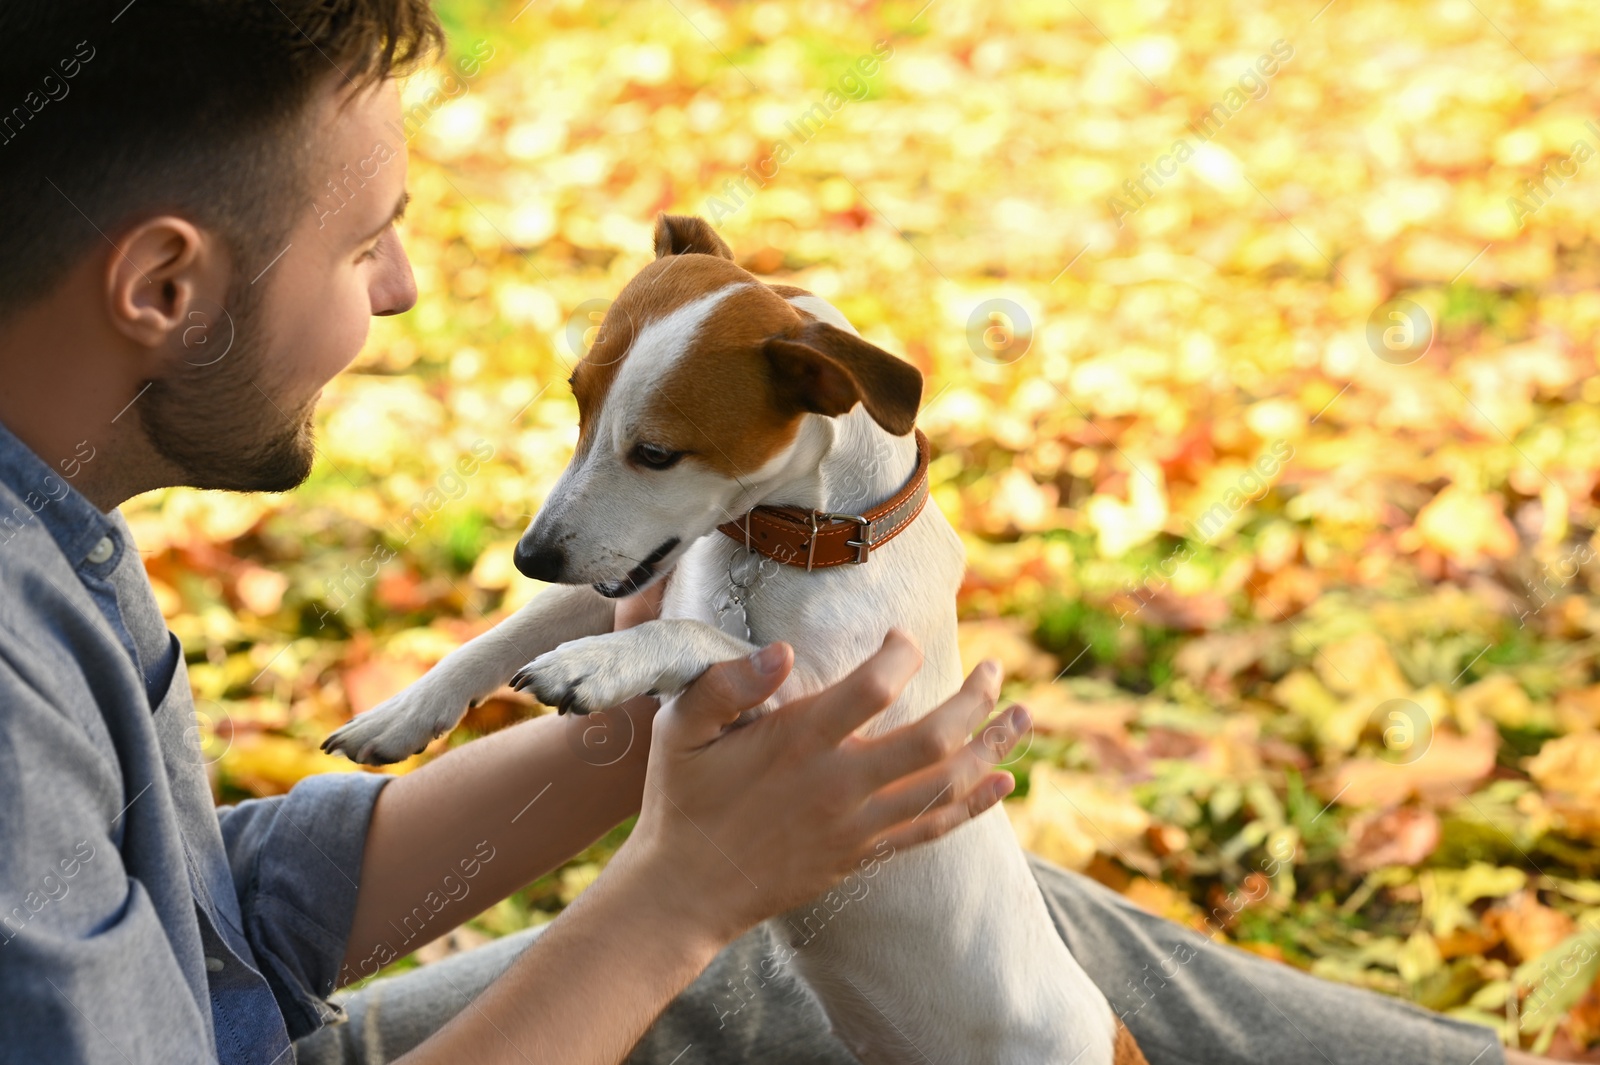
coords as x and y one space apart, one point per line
38 580
36 497
52 635
26 543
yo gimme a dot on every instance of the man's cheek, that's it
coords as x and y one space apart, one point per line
326 339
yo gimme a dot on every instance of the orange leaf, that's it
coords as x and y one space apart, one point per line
1403 836
1444 771
376 679
1528 926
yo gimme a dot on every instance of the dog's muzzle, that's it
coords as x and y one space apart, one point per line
638 576
541 563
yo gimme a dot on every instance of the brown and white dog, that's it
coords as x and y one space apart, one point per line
709 394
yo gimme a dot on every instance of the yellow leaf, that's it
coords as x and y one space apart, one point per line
265 764
1068 816
1568 770
1497 697
1123 526
1465 525
1007 641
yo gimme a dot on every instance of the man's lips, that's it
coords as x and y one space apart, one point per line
637 577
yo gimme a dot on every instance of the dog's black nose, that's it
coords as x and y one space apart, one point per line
540 562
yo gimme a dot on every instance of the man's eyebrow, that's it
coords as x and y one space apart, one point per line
399 213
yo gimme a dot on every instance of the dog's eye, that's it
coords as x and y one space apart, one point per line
654 457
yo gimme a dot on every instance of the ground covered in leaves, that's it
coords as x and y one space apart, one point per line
1298 581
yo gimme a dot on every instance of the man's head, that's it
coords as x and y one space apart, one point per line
200 195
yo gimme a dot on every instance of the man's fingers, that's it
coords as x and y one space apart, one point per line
942 732
728 689
640 607
941 819
951 780
868 690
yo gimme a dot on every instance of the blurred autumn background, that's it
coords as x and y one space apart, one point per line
1261 385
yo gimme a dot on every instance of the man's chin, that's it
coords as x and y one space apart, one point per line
279 478
274 465
281 467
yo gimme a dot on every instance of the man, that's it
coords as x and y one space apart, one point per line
162 163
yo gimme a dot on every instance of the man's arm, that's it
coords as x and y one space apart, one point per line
737 825
506 809
88 974
464 831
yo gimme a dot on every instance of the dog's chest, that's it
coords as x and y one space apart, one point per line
831 618
744 594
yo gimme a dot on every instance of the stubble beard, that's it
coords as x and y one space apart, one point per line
216 421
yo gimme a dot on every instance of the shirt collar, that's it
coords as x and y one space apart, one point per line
45 494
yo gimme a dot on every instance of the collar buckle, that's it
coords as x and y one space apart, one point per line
863 546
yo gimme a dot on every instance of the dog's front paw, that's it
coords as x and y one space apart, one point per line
580 677
399 727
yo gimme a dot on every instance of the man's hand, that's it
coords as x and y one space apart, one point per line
740 824
641 607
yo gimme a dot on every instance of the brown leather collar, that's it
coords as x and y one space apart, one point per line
816 538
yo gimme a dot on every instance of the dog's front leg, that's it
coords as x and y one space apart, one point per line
408 722
655 658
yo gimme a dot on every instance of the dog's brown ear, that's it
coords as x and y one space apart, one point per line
827 370
677 234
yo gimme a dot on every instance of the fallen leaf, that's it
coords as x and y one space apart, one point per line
1451 764
266 764
1464 942
1007 640
1402 836
1464 525
1567 769
1361 665
260 590
1578 709
378 678
1160 899
1527 926
1068 816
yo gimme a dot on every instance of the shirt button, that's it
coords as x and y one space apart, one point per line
102 550
213 965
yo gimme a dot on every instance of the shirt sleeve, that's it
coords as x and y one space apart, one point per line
88 974
296 865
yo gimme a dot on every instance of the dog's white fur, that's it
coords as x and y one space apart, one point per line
951 956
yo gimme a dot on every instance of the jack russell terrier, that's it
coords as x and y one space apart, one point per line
709 393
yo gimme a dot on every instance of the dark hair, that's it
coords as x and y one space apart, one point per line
111 111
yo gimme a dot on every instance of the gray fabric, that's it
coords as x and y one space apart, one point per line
138 923
1187 1000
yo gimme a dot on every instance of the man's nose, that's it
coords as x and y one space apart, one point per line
394 291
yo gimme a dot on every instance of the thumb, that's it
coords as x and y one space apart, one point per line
728 689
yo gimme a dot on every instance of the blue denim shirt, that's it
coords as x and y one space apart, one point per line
138 922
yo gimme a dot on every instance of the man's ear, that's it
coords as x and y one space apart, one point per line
677 234
827 370
158 269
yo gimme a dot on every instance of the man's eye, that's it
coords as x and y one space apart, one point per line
655 457
368 254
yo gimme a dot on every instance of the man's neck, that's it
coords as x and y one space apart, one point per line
63 392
